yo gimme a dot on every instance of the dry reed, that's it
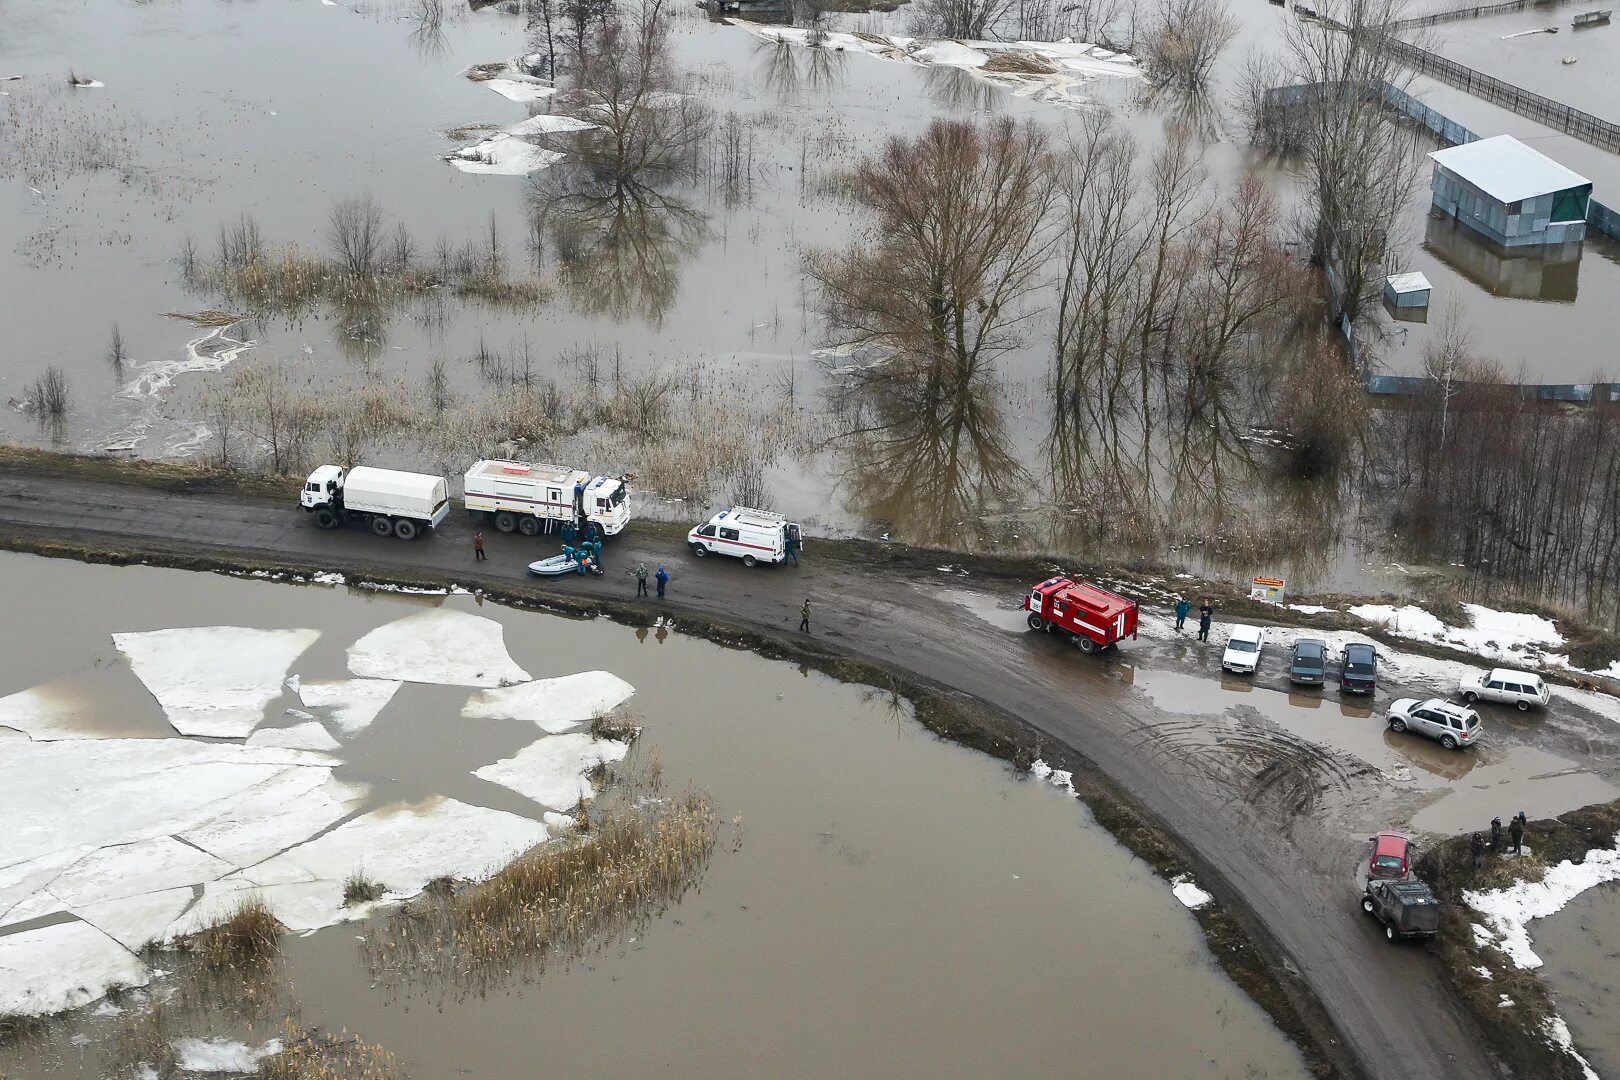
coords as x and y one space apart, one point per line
249 935
307 1054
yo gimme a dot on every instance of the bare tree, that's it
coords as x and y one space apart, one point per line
50 395
959 18
115 348
438 385
1360 166
1186 40
643 401
955 239
586 23
545 21
355 230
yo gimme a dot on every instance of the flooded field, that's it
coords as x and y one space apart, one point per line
1581 948
878 902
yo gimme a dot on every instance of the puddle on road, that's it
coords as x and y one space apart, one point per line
1580 951
875 860
1470 786
1003 613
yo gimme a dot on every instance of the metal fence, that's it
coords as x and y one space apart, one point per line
1479 12
1543 110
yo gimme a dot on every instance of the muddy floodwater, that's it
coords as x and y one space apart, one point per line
1580 952
880 903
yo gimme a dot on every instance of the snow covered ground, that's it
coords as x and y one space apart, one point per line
1516 638
134 841
1507 912
1070 65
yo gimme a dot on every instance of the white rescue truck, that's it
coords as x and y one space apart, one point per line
754 536
533 498
390 503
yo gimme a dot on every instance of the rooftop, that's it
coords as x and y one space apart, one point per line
1506 169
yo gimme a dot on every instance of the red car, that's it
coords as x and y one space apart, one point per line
1391 857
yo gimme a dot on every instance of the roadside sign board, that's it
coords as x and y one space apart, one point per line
1268 589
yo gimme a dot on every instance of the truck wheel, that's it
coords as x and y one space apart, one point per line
1389 933
405 529
505 521
381 526
529 526
326 519
1086 644
1397 725
1036 622
749 561
1448 742
699 550
1367 904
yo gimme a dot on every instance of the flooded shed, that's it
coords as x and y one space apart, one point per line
1511 194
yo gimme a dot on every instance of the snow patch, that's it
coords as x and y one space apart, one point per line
354 703
520 89
554 705
551 771
137 921
1506 636
285 809
1308 609
1558 1034
445 647
1188 893
545 124
1061 778
502 155
214 680
221 1055
1509 911
62 967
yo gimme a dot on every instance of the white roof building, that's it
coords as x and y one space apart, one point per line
1507 170
1510 193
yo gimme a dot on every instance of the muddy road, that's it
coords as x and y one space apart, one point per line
1276 822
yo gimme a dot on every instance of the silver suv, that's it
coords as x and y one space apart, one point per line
1452 725
1519 688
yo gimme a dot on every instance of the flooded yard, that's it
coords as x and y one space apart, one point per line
1580 947
877 901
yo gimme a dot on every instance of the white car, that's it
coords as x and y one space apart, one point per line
1452 725
1519 688
1243 647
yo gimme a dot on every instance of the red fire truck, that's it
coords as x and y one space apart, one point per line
1096 618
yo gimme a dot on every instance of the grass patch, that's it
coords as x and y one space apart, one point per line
359 889
616 727
307 1054
1514 1033
1017 63
249 935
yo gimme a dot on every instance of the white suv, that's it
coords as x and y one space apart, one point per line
1243 647
1519 688
1452 725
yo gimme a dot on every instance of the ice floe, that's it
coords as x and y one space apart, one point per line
552 771
221 1055
284 810
1507 912
309 735
137 921
545 124
43 713
214 680
352 703
438 646
144 866
63 966
514 89
554 705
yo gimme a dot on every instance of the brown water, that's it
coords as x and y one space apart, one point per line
898 905
1580 952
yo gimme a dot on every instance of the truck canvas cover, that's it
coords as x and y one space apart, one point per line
412 491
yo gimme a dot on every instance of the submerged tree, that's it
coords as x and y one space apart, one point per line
955 239
959 18
1186 40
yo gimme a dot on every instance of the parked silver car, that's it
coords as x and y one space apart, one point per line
1518 688
1452 725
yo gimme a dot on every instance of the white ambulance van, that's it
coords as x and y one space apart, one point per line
754 536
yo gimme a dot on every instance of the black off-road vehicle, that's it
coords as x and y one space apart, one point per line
1406 908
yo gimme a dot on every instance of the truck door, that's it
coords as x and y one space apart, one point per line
554 497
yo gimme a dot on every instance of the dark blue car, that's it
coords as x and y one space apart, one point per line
1359 672
1309 664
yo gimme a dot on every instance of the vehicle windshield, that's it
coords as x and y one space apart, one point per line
1239 645
1390 862
1304 651
1358 668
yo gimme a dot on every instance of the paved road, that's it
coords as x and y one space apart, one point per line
1287 859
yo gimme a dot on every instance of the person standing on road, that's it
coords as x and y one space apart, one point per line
1516 831
793 548
1206 615
1476 848
662 578
641 579
478 548
804 617
1183 609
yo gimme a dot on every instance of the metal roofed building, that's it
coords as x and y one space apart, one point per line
1513 195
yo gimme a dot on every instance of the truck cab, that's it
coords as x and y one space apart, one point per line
323 488
607 502
1095 618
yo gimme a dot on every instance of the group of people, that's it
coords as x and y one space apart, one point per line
1515 832
1206 616
662 577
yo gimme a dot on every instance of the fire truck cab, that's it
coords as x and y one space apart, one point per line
1096 618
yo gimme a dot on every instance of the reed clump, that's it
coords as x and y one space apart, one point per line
249 935
307 1054
359 889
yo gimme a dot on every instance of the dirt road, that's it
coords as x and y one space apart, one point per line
1273 823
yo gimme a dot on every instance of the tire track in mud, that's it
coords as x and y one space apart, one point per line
1255 763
